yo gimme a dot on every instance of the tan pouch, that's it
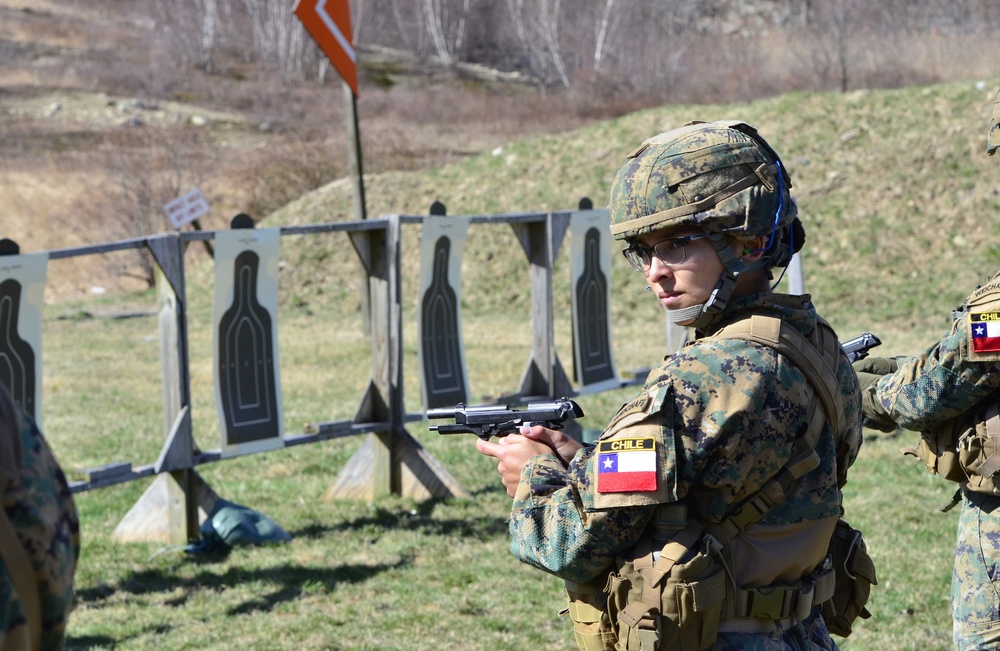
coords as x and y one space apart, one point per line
670 600
854 571
587 608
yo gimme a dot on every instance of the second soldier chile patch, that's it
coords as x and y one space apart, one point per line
984 322
985 332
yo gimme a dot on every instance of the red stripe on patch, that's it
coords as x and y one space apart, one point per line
626 482
986 344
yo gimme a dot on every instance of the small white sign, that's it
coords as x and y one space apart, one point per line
186 208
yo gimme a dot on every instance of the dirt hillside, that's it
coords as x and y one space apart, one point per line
85 101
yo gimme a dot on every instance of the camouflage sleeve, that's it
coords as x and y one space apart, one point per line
721 417
551 528
740 407
942 382
849 447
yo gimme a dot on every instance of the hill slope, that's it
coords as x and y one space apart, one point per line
898 198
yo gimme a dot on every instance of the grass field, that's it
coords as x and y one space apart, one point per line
395 573
892 247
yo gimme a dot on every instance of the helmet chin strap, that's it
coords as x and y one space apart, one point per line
685 314
734 266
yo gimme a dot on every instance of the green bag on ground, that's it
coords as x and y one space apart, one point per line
230 525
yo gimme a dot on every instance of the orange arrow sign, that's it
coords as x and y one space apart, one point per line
329 23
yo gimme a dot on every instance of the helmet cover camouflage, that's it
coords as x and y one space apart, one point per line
721 177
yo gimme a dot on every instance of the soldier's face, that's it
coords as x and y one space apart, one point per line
688 283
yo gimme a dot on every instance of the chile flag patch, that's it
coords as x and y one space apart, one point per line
985 332
626 466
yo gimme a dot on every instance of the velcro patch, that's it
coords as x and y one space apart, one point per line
985 335
626 465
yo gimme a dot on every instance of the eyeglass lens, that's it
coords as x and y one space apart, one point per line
670 252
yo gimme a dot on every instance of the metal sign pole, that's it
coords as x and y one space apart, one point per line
354 145
329 23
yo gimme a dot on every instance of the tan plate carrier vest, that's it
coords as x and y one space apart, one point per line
965 450
680 608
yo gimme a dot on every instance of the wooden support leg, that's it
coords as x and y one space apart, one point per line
169 511
415 473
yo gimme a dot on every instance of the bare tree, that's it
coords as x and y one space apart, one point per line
446 31
549 26
279 38
408 26
602 32
192 27
840 19
538 35
208 33
147 169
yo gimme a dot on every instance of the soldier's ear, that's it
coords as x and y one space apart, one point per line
754 249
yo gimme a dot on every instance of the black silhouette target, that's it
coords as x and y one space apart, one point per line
440 336
247 382
593 340
17 357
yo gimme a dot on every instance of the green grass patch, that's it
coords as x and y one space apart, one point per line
392 574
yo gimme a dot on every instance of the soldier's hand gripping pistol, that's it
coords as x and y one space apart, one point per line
500 420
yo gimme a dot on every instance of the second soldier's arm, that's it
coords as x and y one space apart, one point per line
937 385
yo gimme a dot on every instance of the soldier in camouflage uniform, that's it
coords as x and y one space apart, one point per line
945 393
39 537
706 214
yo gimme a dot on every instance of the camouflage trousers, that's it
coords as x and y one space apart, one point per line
975 584
810 635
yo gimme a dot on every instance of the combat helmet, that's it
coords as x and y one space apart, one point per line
720 177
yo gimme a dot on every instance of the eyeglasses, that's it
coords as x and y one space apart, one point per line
670 252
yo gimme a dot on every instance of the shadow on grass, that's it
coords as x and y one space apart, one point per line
215 572
418 518
86 642
90 642
288 581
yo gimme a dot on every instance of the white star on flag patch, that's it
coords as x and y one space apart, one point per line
626 466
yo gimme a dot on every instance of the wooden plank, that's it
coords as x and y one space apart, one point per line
538 379
178 450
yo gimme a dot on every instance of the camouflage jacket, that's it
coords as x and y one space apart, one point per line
39 506
954 374
729 412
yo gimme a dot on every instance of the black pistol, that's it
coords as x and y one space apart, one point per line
858 347
486 421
